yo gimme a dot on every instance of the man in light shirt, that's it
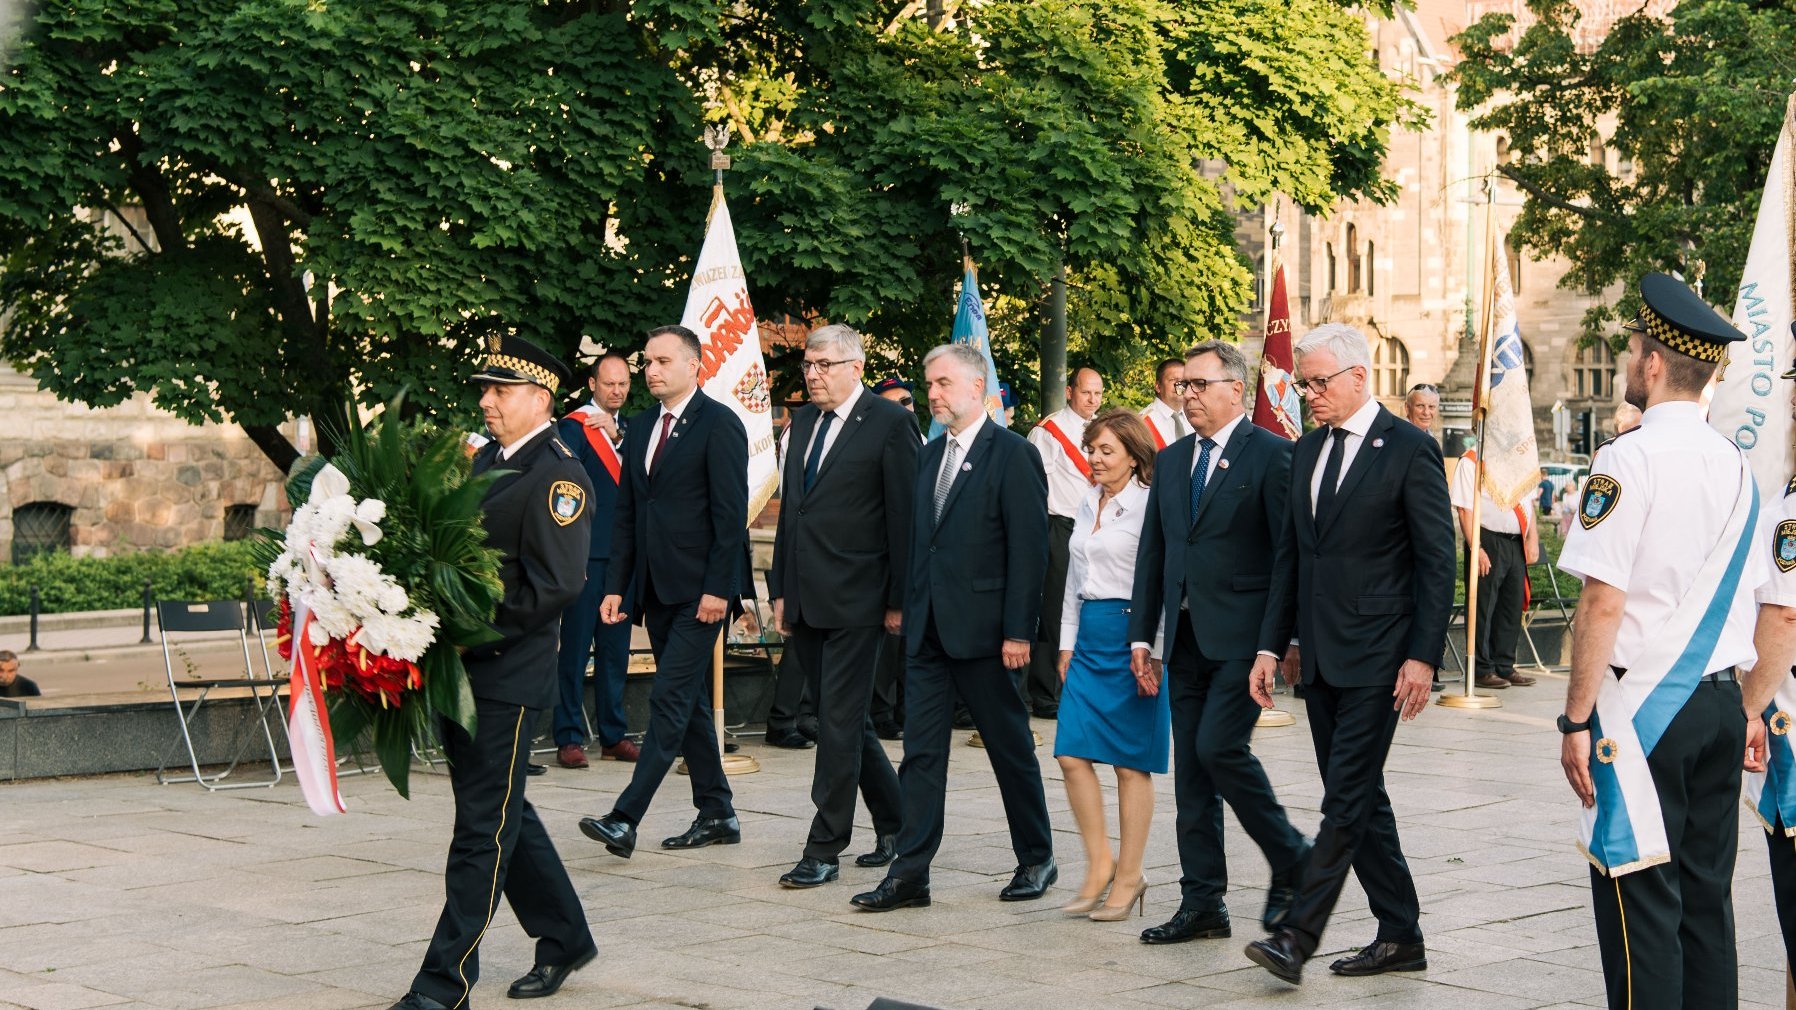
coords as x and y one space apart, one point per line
1165 416
1058 439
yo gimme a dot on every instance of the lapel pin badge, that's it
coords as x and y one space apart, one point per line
1222 464
966 467
1378 443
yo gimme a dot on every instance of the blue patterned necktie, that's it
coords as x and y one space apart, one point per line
1200 476
816 455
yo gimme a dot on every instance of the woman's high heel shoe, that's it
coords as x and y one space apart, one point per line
1083 905
1117 913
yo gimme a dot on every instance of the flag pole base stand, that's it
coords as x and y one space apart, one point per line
1467 701
733 764
1272 718
977 741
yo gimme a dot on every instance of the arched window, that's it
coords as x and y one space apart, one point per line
1390 368
39 528
1328 251
1528 363
1593 372
1504 154
1352 260
239 521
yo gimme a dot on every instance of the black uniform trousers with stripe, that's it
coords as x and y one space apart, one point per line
1666 932
499 848
1782 850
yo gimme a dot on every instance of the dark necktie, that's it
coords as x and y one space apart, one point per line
1331 473
1200 476
815 458
655 456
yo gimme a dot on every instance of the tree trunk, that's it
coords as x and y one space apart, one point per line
273 444
1053 347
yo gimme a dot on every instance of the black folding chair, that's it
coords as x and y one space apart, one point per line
178 617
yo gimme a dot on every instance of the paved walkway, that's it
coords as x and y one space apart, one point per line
117 892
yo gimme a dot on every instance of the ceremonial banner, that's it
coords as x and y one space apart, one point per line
969 328
731 369
1511 455
1751 405
1276 406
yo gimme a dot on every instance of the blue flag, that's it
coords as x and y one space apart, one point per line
969 328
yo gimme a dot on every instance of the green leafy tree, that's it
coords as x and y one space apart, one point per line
172 175
1647 151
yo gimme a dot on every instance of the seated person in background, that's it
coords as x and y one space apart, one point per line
11 684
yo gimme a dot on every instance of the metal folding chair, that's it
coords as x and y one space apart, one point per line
176 617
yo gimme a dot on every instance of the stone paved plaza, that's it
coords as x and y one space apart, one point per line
115 891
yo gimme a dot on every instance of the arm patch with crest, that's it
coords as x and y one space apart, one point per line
566 501
1601 492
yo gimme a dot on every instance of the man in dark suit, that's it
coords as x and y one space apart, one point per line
837 585
978 553
678 543
1202 573
536 516
1364 575
593 433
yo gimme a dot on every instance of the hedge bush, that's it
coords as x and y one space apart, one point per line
67 584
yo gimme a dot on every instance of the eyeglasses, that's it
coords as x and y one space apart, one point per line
1198 385
822 367
1307 388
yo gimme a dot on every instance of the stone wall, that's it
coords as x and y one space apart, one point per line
135 476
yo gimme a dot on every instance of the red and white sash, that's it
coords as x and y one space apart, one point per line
601 444
1154 430
1072 450
308 728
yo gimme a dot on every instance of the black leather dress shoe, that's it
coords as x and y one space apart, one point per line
885 849
707 831
617 835
790 739
1281 894
532 768
809 873
546 979
892 893
1281 955
887 729
1030 882
1190 924
1381 957
418 1001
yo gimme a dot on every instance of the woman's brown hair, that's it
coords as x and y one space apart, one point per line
1132 432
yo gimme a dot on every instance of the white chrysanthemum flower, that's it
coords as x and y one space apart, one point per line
393 599
405 638
315 631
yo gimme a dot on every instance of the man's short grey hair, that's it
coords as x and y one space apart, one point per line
966 355
844 338
1234 363
1346 343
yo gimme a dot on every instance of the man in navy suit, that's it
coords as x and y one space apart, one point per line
978 554
837 585
593 433
1215 512
678 543
1364 575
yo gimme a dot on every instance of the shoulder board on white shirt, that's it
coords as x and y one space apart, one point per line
1790 488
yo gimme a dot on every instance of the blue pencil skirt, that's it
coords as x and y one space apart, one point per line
1102 718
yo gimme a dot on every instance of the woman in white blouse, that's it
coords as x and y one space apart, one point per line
1108 715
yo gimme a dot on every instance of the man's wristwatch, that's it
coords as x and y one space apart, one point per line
1567 727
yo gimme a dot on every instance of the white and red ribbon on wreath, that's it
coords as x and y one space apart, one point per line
308 727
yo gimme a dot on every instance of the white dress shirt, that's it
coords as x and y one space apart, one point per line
674 411
1066 482
1101 561
843 412
507 451
1357 426
1491 516
1168 421
1221 438
1676 478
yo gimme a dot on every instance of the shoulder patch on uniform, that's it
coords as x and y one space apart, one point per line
566 500
1790 488
1783 546
1601 492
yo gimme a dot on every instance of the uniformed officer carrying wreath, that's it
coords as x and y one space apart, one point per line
1667 542
536 516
